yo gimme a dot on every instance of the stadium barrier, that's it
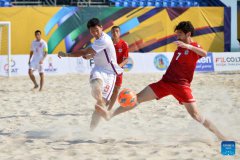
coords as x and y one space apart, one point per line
138 63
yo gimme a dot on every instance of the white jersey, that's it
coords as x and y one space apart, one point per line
105 58
38 48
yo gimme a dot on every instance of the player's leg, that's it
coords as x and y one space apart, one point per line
156 90
96 86
41 81
195 114
32 77
114 97
41 74
184 95
147 94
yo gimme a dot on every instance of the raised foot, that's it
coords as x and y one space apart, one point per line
103 112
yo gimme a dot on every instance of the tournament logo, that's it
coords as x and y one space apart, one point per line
50 67
186 52
120 50
14 69
161 62
127 67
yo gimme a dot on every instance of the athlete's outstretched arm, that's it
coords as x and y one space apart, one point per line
199 51
78 53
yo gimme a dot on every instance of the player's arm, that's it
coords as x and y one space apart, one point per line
45 50
201 52
79 53
124 62
125 55
44 56
30 56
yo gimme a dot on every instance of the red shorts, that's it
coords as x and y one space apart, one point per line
119 80
181 92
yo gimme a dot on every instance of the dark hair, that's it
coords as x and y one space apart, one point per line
115 27
37 31
185 26
93 22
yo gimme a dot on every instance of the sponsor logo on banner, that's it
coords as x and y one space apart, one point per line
14 68
161 62
127 67
205 64
227 61
50 68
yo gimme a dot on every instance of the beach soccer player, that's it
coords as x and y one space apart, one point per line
103 75
37 56
177 79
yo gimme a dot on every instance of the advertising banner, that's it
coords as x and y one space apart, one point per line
205 64
227 61
137 63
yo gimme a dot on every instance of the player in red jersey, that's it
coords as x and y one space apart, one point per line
121 48
177 79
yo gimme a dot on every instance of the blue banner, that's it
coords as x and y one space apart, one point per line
205 64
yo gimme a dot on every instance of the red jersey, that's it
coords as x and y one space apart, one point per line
121 50
182 66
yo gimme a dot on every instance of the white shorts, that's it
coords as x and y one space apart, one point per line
108 82
36 66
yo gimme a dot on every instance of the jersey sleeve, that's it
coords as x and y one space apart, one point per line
125 50
99 45
198 46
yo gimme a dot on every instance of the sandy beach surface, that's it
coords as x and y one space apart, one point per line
54 124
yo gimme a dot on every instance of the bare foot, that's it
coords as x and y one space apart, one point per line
103 112
222 138
35 87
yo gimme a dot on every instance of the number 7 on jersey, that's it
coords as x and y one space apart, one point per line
179 54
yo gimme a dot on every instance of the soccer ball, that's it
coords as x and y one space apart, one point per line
127 98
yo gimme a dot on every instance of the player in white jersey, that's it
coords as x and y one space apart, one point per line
103 75
38 54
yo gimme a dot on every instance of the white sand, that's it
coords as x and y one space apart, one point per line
54 124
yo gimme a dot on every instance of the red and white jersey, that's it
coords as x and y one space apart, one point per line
121 50
182 66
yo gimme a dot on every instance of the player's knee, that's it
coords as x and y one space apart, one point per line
96 94
96 83
116 89
96 88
